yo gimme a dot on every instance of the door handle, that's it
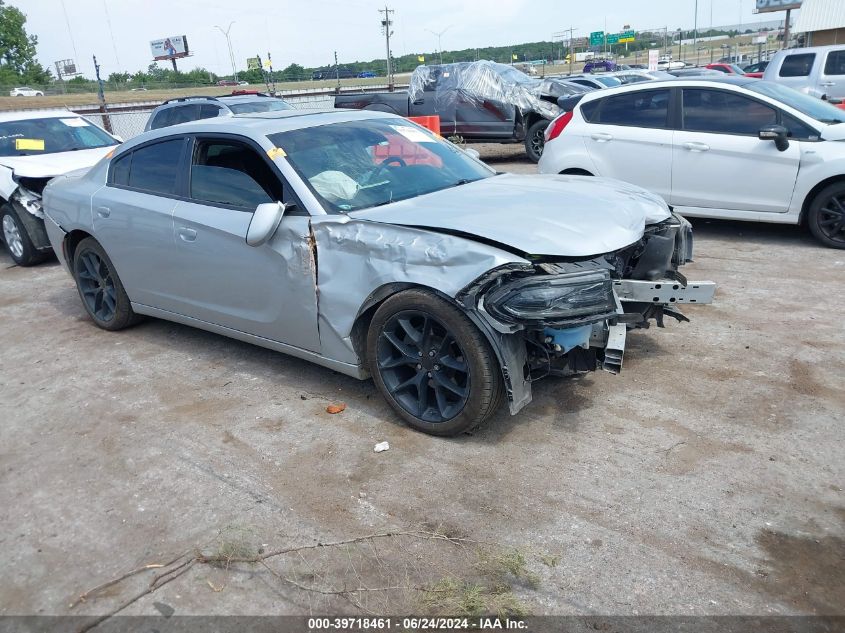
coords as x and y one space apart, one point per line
601 137
187 235
697 147
103 212
419 102
827 84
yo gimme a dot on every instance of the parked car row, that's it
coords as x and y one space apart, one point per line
388 252
695 142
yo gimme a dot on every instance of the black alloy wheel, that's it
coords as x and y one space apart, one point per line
423 366
827 216
432 363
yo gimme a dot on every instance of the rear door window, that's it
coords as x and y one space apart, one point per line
208 111
835 64
798 65
643 108
154 168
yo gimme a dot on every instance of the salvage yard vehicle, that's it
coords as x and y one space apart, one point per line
24 91
34 147
694 142
479 101
818 71
184 109
365 243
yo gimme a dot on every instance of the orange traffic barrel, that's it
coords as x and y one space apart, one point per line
429 122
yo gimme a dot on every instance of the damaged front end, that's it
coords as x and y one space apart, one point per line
24 194
560 317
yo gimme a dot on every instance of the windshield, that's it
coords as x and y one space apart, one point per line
361 164
610 82
50 136
811 106
264 105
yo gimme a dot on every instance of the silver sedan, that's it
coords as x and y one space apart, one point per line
364 243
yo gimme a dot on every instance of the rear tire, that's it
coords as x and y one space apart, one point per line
534 140
17 239
432 364
826 216
100 289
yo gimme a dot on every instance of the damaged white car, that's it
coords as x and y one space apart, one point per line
34 147
364 243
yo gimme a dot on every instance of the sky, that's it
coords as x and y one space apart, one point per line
118 32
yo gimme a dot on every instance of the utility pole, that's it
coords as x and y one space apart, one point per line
231 52
386 23
101 97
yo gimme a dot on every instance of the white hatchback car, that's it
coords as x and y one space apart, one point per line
734 148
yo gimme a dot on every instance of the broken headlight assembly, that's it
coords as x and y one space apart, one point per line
29 200
567 299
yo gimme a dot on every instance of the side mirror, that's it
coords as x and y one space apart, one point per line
264 222
473 152
776 133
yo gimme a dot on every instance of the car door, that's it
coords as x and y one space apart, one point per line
629 137
832 76
133 217
718 161
267 291
481 109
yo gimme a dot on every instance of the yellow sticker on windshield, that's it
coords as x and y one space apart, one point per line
29 143
276 152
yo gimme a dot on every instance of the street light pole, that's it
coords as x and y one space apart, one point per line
439 35
695 29
229 43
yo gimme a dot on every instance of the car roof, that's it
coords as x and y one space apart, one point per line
23 115
809 49
262 123
678 82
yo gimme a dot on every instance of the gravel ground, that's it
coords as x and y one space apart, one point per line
706 478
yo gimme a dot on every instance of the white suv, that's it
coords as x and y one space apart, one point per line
740 149
23 91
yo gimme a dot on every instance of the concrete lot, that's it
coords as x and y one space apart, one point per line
705 479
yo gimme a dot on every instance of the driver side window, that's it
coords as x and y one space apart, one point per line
233 174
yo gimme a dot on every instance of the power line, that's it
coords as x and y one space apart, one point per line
111 33
70 32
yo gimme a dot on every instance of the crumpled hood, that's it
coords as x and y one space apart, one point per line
569 216
47 165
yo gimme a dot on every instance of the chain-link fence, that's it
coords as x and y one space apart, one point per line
126 122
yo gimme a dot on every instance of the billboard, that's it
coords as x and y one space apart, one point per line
765 6
66 68
171 47
253 63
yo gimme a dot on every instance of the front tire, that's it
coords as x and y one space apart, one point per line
17 240
826 216
100 289
535 140
432 364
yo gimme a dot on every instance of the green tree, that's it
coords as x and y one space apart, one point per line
17 49
294 72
